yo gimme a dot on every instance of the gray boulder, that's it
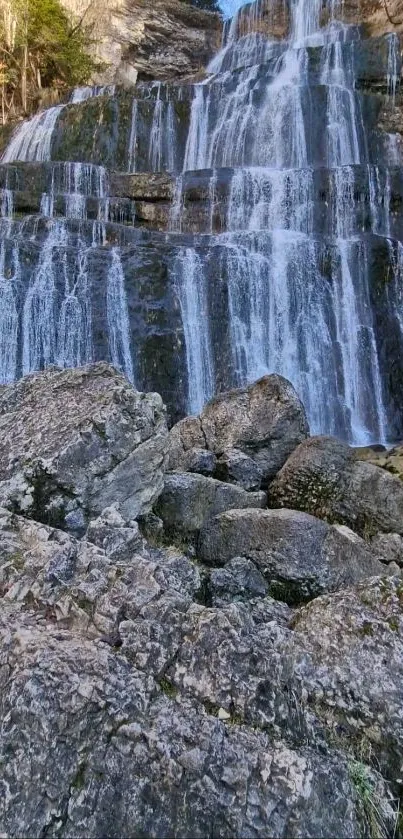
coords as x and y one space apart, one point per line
235 467
240 579
77 441
111 533
389 547
189 501
299 556
323 477
264 421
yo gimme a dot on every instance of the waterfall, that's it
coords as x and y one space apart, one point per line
133 138
281 253
81 94
393 75
74 339
286 313
33 138
118 317
156 136
6 203
9 321
193 302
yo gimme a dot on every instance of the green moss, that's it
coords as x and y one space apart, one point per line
78 781
17 559
369 801
168 688
366 628
394 623
211 708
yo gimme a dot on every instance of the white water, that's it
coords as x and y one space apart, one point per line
32 139
9 321
284 316
192 293
81 94
118 317
133 138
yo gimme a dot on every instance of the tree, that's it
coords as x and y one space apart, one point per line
40 47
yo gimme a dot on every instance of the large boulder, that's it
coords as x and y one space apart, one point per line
189 501
300 556
252 431
334 674
76 441
323 477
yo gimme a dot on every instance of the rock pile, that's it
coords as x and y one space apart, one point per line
177 659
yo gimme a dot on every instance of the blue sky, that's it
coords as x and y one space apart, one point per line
229 7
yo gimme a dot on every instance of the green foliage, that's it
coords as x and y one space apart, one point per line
208 5
40 48
376 812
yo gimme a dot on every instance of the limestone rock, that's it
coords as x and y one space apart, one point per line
117 685
202 462
185 437
166 39
235 467
323 477
100 750
299 556
189 501
76 441
389 547
391 459
110 533
264 422
239 579
354 640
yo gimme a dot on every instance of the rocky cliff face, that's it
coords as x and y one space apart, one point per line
201 688
166 39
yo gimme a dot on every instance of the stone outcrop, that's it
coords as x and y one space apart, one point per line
188 502
76 441
323 477
299 556
166 39
135 679
264 422
107 694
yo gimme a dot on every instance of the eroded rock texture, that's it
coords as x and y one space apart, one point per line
323 477
75 441
251 430
165 39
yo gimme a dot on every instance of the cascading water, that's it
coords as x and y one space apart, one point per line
32 139
284 245
118 317
193 300
288 315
